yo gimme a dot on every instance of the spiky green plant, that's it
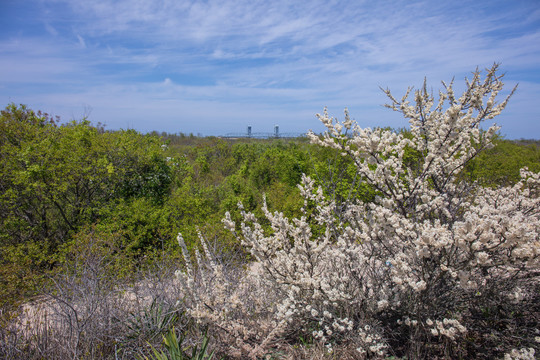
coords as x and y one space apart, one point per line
152 321
173 345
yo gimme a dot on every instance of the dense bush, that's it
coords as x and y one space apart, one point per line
434 266
56 179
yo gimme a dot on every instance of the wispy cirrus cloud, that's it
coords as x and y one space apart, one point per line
227 62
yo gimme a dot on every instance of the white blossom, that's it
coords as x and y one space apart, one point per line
427 241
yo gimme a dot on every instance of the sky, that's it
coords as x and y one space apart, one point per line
213 67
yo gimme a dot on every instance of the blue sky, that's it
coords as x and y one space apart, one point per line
214 67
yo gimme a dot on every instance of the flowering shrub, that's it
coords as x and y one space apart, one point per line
415 272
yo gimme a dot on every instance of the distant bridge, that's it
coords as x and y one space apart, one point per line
264 135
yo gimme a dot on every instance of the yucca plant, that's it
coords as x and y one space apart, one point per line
173 345
152 321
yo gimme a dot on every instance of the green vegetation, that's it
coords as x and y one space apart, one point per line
58 180
175 351
500 165
68 188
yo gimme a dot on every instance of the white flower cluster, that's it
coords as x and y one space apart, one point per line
371 342
450 328
233 300
428 244
522 354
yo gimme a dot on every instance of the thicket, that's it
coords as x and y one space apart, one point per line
418 243
59 181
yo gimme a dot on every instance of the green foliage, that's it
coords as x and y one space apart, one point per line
139 166
280 163
174 350
338 176
142 224
500 165
57 179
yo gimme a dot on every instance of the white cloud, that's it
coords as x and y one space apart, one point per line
219 58
82 43
51 30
